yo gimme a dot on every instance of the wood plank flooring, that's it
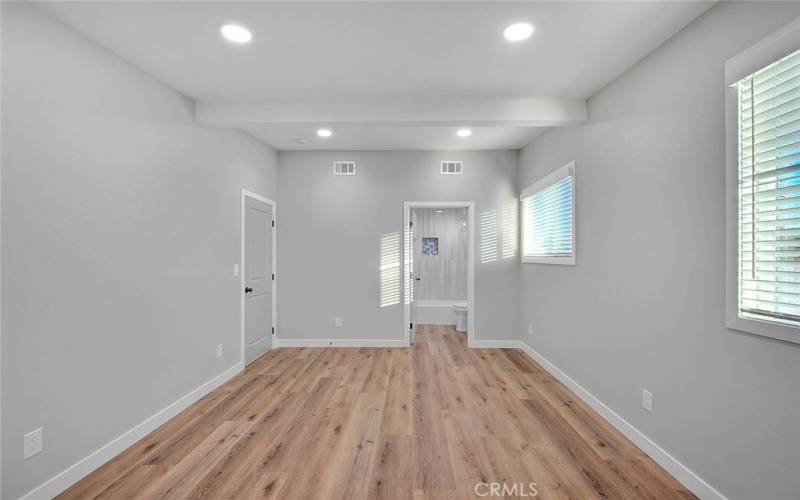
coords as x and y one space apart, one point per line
428 422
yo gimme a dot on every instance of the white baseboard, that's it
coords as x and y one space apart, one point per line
340 343
478 344
689 479
85 466
495 344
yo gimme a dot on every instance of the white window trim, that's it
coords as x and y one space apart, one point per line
760 55
548 180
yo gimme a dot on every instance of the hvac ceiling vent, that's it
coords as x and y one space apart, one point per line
452 167
344 168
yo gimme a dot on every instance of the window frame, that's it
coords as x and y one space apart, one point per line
567 170
769 50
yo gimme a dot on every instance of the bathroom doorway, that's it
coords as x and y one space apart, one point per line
439 267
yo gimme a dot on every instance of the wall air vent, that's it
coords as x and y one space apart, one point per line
452 167
344 168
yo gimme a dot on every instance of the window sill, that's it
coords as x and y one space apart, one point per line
563 261
765 328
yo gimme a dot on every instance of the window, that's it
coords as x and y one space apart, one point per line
548 219
769 191
763 183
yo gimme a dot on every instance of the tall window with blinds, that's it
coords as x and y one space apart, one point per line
548 219
769 192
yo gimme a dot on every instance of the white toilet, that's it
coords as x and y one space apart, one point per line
460 309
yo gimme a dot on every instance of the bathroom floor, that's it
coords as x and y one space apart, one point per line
430 330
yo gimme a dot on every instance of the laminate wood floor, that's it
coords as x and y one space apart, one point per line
427 422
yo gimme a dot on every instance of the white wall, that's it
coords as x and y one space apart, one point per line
330 231
120 225
442 276
644 306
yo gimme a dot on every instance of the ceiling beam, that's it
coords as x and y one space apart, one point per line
396 112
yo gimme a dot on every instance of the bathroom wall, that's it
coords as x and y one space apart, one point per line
443 276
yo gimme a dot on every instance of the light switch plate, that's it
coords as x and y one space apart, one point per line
337 322
32 443
236 269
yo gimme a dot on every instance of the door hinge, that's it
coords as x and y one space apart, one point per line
273 329
273 223
411 326
410 223
273 276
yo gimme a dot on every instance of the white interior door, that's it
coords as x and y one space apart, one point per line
414 275
258 278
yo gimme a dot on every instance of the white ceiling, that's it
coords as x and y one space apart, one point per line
334 51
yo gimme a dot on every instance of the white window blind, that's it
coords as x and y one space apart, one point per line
769 192
548 219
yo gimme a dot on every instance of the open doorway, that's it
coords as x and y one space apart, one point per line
439 267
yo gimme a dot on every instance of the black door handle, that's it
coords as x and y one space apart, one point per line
417 279
247 289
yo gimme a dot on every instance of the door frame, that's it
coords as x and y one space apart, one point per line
243 268
470 206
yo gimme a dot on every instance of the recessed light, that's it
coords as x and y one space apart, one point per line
518 32
324 132
236 33
464 132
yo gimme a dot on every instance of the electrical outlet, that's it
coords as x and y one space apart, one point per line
647 400
32 443
530 328
236 269
337 322
219 350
